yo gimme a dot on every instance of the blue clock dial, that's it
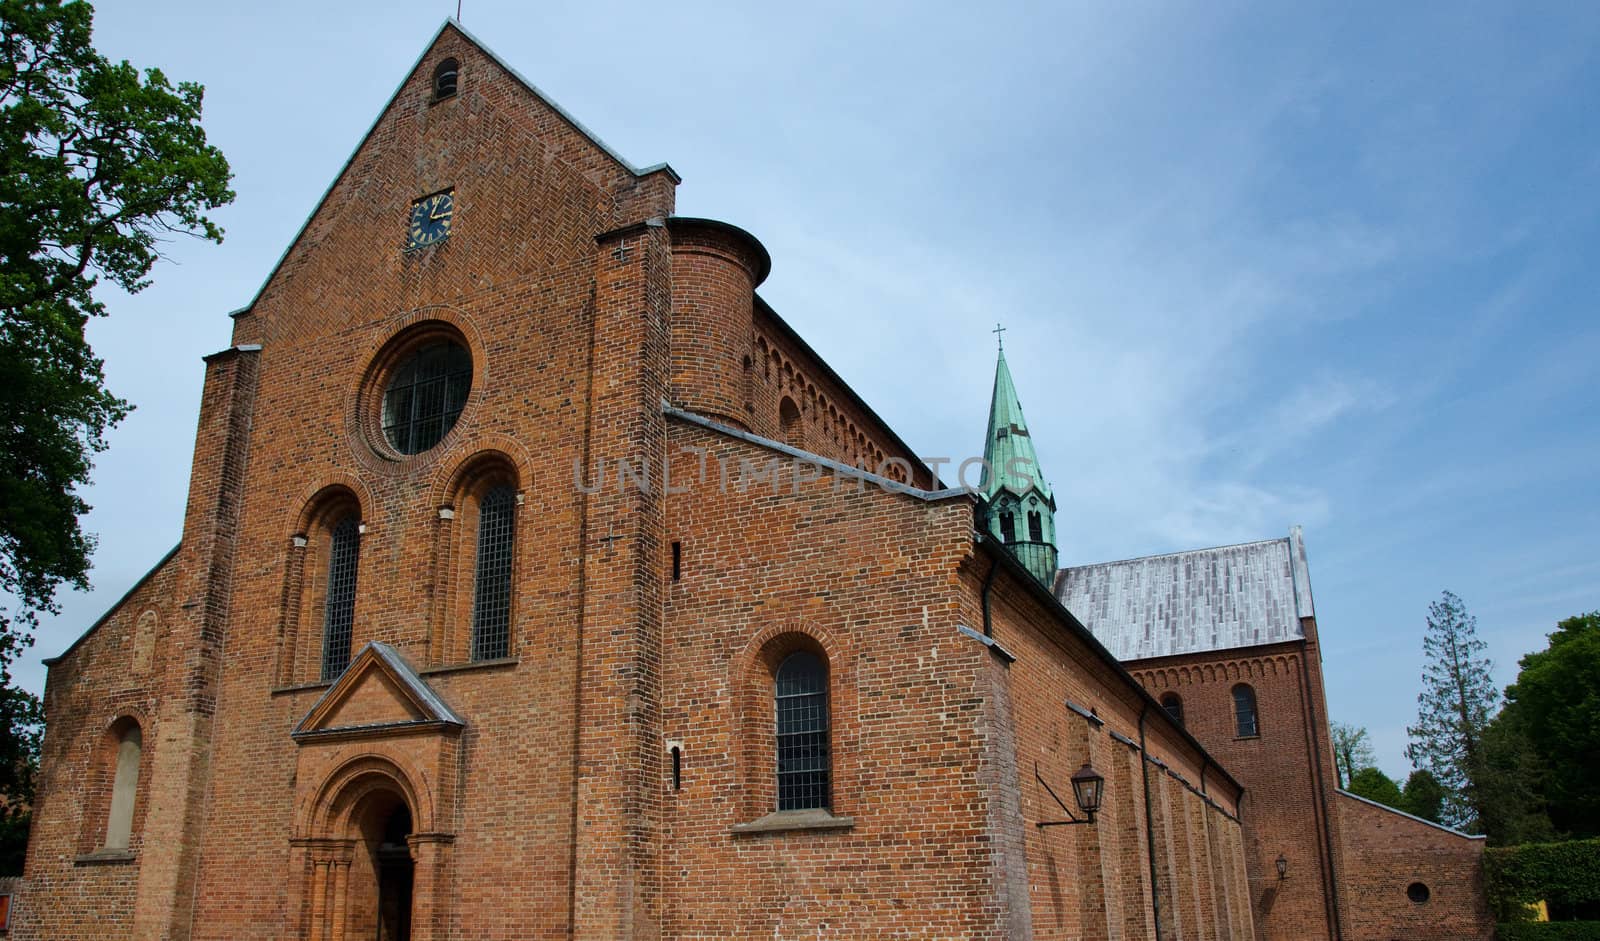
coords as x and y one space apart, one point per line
430 220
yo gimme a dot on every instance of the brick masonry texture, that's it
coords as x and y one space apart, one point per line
644 617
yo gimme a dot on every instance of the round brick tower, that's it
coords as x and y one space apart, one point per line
715 270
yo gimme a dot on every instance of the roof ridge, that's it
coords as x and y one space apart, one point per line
1163 555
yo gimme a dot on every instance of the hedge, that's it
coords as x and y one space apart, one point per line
1564 874
1550 931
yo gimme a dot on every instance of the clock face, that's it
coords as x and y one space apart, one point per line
430 220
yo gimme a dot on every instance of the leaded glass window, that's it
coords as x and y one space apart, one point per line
802 706
425 396
344 555
1244 711
491 599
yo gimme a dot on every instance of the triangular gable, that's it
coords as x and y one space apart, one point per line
378 693
448 25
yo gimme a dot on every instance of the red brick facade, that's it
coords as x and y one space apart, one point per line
614 775
1348 862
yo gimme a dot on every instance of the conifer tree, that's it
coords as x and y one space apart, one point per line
1457 701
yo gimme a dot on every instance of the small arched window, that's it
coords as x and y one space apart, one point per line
802 710
444 79
491 597
344 558
1035 526
124 787
1008 527
1244 711
1174 706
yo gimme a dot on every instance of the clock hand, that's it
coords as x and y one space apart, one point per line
438 214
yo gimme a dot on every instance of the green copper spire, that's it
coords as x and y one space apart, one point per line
1020 505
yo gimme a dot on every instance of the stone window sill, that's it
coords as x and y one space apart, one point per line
299 688
1246 738
105 858
471 665
783 821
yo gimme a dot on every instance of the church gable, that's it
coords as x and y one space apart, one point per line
529 188
379 692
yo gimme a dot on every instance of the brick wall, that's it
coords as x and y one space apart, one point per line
1276 767
1094 882
1390 852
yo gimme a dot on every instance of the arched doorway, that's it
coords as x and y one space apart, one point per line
363 874
381 875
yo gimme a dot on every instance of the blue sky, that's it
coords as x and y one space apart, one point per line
1260 264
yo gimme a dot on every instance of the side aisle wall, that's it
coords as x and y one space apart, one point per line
1071 707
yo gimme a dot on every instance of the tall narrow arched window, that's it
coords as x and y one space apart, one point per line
1008 527
491 594
339 609
802 709
1244 711
1035 527
124 787
1174 706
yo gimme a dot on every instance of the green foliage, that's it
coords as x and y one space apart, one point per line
1374 785
1508 777
1423 796
1352 751
1554 707
1458 699
1548 931
1563 874
98 162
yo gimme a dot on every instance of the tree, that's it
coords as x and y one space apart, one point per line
1554 707
1374 785
21 729
1458 699
1423 796
98 162
1352 751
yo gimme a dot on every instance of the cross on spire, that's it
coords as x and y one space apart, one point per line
998 332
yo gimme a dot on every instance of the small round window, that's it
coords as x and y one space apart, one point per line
425 395
1417 892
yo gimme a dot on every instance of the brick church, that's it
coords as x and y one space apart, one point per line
538 581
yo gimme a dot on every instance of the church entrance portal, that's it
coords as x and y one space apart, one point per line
381 874
392 861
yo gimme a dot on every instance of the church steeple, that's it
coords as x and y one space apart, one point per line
1019 506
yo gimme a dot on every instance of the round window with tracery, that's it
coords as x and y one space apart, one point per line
424 396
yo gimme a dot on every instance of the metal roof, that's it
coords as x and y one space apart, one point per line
1009 457
1186 602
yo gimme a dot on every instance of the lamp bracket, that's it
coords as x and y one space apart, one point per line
1071 818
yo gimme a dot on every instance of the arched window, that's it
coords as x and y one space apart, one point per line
124 787
444 79
1035 527
1244 711
1174 706
491 596
344 557
802 709
1008 527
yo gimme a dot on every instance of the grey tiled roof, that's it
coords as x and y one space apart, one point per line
1185 602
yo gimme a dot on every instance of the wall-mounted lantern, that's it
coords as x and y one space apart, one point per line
1088 788
1283 867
